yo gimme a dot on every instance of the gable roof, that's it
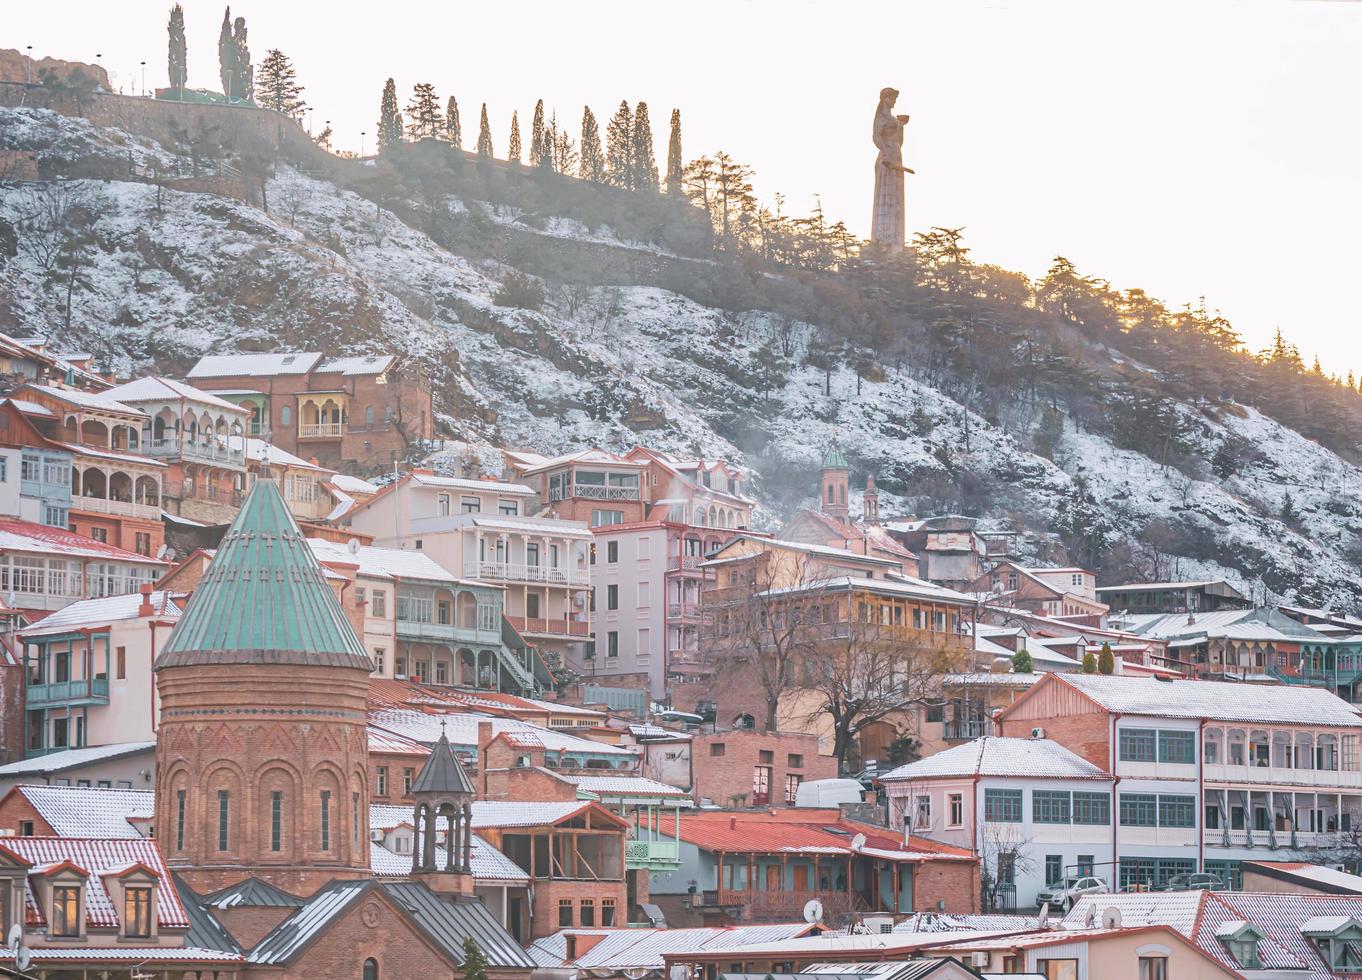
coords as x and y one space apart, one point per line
764 833
373 562
996 755
491 814
87 613
94 400
156 389
205 932
88 811
17 535
642 949
252 893
264 599
1318 877
253 365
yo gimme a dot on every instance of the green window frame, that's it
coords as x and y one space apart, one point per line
1139 810
224 802
276 820
326 820
1177 747
1177 811
1003 805
1092 809
1051 806
1138 744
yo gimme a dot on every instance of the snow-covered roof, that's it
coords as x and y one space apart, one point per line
352 484
596 456
354 366
1312 875
109 454
486 486
17 535
897 586
93 400
383 562
100 612
260 451
1215 700
642 949
252 365
32 408
1176 909
810 549
462 728
158 389
87 811
381 740
513 813
614 787
996 755
73 758
542 525
990 679
487 862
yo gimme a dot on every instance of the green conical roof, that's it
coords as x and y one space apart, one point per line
443 772
264 599
834 460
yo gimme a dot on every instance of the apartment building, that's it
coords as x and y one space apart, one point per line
481 531
1066 592
44 568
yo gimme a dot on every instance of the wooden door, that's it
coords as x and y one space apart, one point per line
801 878
773 883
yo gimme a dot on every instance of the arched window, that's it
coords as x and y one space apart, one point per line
285 415
369 415
832 494
371 969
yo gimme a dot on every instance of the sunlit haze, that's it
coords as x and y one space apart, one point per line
1187 148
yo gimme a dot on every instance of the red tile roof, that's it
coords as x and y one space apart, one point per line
17 535
98 857
812 832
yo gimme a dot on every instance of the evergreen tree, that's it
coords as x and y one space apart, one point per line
537 135
323 139
1288 513
474 962
389 118
227 56
645 164
177 61
277 87
675 168
591 165
619 148
545 154
1089 663
245 74
423 112
452 128
513 148
1106 660
484 138
1021 662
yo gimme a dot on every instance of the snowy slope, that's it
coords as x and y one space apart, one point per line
615 366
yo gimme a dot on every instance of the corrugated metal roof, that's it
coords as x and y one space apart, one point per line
17 535
1217 700
101 612
996 755
264 599
72 758
85 399
124 954
383 562
761 833
449 923
89 811
622 949
610 787
158 389
463 731
204 930
1176 909
509 813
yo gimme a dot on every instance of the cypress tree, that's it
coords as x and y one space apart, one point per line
245 74
537 134
484 138
227 56
513 150
1106 660
1021 662
1089 663
452 126
645 164
619 148
592 165
177 60
675 167
389 119
474 962
278 88
423 112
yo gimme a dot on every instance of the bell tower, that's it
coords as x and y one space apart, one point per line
442 790
836 484
870 503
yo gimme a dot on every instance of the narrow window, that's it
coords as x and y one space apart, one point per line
224 798
371 969
137 913
276 821
179 820
121 663
326 820
354 818
381 781
66 911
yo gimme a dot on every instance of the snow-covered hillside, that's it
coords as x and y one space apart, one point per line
167 275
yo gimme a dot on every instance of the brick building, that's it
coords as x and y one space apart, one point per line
756 768
354 413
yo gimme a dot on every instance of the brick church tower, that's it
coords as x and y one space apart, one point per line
836 483
261 760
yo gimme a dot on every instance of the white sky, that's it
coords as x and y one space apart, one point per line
1201 146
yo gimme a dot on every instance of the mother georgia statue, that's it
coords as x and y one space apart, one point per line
886 221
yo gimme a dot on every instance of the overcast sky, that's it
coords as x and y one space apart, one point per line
1193 147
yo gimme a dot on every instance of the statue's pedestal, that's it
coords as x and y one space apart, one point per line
446 882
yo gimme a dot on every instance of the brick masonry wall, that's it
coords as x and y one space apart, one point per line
15 809
547 895
720 777
250 925
1088 735
956 883
11 713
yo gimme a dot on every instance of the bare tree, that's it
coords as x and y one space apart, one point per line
1003 854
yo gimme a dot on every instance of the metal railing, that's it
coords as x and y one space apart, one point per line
411 629
516 572
684 562
593 491
197 451
967 730
683 610
654 855
118 508
94 691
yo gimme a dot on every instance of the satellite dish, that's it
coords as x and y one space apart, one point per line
1111 918
858 842
16 935
1090 917
171 554
813 911
161 551
352 546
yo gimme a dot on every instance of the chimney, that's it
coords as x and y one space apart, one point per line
484 740
732 823
145 609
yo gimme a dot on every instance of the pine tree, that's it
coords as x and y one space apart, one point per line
513 148
537 134
452 128
1089 663
563 147
484 138
245 74
591 165
227 56
1288 514
545 152
645 164
389 119
1022 663
619 148
674 165
277 87
177 61
474 962
323 139
423 112
1106 660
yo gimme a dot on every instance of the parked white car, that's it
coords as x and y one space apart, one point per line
1062 894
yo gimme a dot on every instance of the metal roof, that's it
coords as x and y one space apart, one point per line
204 930
253 365
449 922
512 813
85 399
375 562
996 755
443 773
158 389
252 893
73 758
622 949
1215 700
296 932
264 599
17 535
101 612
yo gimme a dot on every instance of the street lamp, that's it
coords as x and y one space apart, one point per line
361 144
144 79
28 66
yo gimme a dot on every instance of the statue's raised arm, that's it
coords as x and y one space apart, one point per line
887 217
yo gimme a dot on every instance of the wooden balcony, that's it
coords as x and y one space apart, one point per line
540 626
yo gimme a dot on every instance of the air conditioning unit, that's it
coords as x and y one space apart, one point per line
376 835
1038 733
978 959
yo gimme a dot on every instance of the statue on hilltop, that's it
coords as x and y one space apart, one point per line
887 218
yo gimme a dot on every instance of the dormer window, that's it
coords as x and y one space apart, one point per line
1338 939
137 912
1241 939
65 919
